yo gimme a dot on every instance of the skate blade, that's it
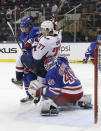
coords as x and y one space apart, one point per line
17 85
48 114
26 103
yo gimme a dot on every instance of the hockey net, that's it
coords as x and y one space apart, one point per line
97 84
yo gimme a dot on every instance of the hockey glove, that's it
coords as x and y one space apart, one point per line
24 51
28 44
85 61
35 89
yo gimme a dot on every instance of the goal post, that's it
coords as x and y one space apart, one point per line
96 85
97 80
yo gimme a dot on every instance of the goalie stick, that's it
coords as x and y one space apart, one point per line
14 34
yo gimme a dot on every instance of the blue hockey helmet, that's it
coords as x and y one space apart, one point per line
50 63
26 22
99 38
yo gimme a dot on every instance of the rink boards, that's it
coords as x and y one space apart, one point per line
73 51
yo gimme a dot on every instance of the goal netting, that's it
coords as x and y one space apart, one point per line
97 84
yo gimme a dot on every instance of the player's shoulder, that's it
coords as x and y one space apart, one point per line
55 32
50 37
51 72
62 59
93 44
44 39
22 33
34 29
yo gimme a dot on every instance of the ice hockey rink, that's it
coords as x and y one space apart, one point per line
17 117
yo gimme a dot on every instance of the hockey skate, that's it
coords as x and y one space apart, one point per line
17 82
85 102
49 108
36 100
26 99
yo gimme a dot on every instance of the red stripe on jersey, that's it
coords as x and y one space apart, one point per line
26 69
44 58
20 68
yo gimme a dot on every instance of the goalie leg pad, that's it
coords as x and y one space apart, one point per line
85 102
49 108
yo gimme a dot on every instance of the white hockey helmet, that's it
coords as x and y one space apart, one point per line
47 25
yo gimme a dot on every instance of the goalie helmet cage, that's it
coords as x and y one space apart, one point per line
97 71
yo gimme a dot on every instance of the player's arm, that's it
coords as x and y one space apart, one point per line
30 44
33 38
41 50
87 54
34 33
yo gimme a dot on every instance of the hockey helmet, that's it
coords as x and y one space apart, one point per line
47 25
26 22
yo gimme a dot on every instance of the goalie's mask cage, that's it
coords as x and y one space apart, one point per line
97 84
50 63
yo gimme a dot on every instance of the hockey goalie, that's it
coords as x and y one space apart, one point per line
62 87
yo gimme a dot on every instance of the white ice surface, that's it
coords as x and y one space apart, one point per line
17 117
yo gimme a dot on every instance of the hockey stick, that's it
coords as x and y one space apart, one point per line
13 34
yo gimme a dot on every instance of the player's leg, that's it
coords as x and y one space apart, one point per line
65 98
85 101
34 65
79 99
19 73
59 97
48 105
23 61
27 78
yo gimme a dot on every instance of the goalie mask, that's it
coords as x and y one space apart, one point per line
50 63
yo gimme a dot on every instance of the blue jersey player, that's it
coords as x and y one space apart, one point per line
90 51
27 32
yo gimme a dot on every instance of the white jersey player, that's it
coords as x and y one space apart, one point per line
49 43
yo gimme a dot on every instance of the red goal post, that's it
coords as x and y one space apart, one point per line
97 70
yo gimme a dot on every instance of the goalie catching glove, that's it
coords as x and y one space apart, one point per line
35 89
